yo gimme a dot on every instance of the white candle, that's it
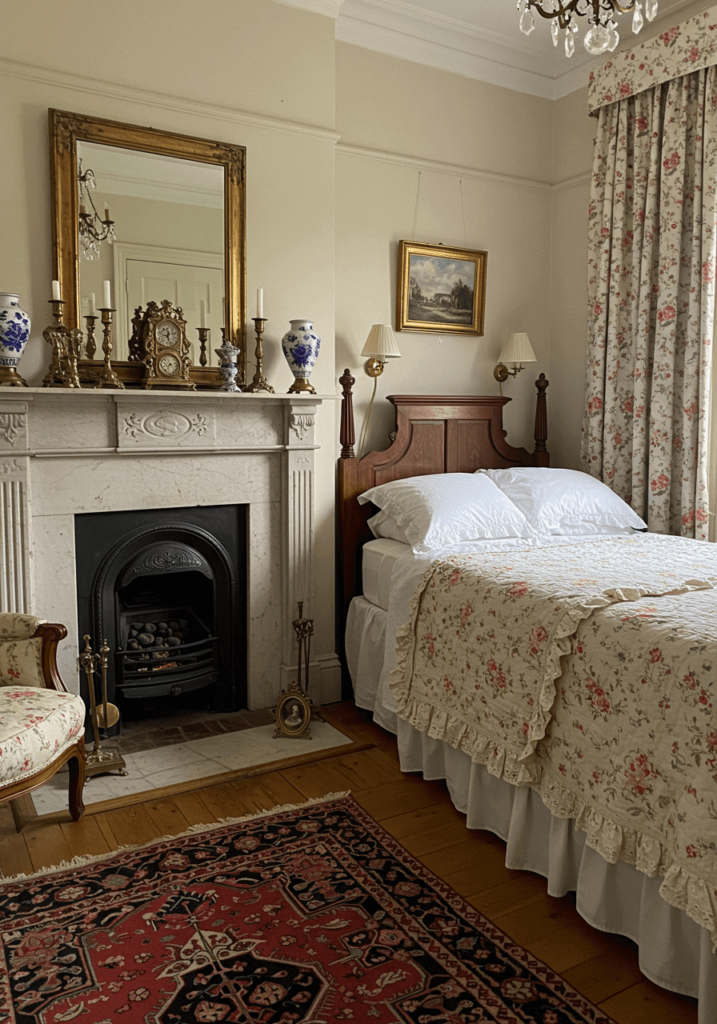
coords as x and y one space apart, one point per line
107 213
260 302
93 309
202 313
56 290
107 296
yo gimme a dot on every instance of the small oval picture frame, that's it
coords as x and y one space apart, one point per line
293 713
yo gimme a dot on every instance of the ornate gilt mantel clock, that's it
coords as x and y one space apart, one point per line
164 347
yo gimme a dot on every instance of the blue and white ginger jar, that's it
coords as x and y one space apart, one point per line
14 335
301 347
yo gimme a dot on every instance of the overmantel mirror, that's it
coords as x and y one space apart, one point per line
177 206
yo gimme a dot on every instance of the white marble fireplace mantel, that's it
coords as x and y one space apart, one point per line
64 452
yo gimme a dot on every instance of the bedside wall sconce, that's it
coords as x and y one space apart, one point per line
380 346
517 350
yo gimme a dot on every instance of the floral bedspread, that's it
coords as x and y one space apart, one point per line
588 671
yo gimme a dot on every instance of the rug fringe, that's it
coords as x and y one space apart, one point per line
96 858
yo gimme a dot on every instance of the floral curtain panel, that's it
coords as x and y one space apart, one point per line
651 263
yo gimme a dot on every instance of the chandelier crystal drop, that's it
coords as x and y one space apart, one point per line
602 33
92 229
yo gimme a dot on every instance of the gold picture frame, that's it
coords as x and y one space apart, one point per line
440 289
66 129
293 713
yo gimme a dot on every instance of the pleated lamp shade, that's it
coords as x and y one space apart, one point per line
381 343
517 349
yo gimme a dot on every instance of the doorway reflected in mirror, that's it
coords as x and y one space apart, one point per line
169 239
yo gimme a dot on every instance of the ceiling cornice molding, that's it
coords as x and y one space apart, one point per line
396 29
328 7
487 53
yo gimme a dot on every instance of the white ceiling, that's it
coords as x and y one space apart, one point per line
481 39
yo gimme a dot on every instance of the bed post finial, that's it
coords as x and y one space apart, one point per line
347 437
541 421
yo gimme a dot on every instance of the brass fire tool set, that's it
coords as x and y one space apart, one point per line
294 708
104 715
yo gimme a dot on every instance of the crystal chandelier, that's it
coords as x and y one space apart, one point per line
93 229
602 34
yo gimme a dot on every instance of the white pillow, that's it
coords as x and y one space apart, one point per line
565 501
447 508
384 525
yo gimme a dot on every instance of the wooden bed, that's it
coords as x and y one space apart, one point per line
454 434
434 434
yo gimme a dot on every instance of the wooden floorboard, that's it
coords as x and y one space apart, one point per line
421 817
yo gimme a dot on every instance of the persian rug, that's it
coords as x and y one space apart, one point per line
308 914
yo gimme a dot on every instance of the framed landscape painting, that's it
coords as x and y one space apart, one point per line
439 289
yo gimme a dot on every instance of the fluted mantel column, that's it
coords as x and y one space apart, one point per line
297 526
15 569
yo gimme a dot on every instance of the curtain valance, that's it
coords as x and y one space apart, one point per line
677 51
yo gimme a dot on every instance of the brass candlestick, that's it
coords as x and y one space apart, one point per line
91 343
99 761
203 333
53 336
66 346
259 383
108 378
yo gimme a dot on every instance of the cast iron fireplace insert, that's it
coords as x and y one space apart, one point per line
167 589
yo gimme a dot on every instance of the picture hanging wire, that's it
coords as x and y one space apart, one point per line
463 211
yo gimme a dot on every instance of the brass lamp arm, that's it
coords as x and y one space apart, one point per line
501 372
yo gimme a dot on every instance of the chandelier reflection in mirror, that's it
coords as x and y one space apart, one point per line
602 34
93 229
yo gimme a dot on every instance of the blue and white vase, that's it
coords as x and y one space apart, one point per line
301 347
14 335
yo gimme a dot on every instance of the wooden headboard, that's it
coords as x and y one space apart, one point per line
434 434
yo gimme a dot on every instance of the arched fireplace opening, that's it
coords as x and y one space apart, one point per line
166 588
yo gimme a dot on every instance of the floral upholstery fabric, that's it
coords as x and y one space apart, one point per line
17 627
589 672
651 270
35 727
677 51
21 663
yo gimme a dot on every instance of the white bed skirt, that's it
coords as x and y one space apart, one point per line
674 951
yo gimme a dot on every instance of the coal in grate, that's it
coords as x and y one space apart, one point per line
164 651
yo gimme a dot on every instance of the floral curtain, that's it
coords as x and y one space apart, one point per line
651 262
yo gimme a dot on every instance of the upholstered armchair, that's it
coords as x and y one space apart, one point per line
41 724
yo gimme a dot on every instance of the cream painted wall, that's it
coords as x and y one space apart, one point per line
484 159
244 92
573 132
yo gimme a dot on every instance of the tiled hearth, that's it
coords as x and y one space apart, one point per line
64 452
240 742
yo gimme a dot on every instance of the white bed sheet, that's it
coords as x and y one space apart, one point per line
675 952
378 558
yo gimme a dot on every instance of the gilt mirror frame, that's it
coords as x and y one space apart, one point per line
66 130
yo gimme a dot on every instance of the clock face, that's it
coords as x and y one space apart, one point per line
167 334
168 364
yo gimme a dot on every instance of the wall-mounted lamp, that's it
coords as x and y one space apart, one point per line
380 346
517 350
